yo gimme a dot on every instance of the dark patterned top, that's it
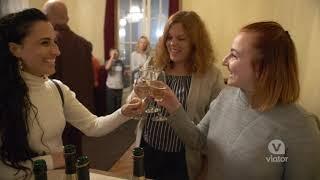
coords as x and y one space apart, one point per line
158 133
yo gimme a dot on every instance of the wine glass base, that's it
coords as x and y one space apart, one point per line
159 118
138 117
152 110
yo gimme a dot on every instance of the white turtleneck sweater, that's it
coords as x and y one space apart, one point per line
45 136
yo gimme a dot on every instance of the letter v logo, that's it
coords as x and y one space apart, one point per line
276 147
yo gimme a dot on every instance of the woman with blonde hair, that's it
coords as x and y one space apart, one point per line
254 130
140 55
186 56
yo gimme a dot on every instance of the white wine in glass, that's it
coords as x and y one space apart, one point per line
149 75
157 89
141 89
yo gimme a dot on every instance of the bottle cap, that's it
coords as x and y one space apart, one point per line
138 151
82 161
39 166
70 148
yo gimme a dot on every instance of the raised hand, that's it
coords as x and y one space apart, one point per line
169 100
133 108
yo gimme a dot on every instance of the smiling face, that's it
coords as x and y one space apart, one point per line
178 44
239 62
38 49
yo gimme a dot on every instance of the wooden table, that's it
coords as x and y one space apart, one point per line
58 174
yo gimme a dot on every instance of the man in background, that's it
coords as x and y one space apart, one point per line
73 66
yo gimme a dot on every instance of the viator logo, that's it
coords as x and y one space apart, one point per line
277 148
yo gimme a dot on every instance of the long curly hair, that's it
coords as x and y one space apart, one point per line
202 52
15 104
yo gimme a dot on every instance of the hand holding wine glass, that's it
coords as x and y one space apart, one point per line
141 90
133 108
169 100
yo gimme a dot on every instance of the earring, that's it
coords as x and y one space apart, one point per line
20 64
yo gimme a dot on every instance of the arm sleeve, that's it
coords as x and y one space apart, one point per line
81 118
303 156
193 136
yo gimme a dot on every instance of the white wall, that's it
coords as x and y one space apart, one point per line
300 17
86 19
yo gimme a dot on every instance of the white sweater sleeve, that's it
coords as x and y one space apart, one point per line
81 118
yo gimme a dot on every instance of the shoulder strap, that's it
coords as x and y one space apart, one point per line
59 89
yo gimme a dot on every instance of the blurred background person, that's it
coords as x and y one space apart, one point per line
254 128
114 83
186 56
95 70
139 56
33 113
73 65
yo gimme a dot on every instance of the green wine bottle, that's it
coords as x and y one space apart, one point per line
40 169
83 168
138 165
70 157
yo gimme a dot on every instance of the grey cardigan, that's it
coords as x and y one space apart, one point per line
203 89
239 140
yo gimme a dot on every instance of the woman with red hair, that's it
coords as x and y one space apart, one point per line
254 130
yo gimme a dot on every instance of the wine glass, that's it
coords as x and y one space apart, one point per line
157 89
148 74
141 89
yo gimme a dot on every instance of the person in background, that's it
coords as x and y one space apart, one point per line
186 55
73 65
139 56
114 83
95 69
254 129
33 115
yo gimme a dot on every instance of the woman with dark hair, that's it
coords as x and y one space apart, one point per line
254 130
186 56
33 109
